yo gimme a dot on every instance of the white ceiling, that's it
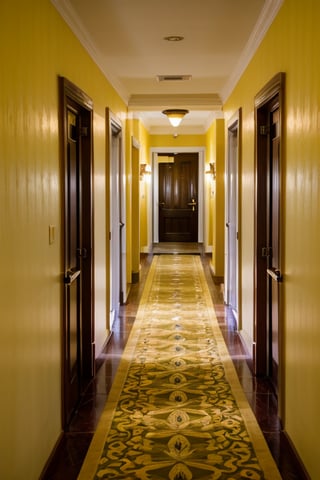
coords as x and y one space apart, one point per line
126 39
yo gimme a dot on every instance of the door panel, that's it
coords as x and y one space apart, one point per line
178 199
117 215
267 288
274 275
78 328
72 265
115 254
232 218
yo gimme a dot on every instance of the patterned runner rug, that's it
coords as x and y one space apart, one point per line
176 410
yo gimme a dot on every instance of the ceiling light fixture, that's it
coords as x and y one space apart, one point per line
175 115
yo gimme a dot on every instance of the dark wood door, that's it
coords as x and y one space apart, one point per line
268 278
273 235
178 199
78 323
73 292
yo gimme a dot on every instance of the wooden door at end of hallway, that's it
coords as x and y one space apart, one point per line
178 198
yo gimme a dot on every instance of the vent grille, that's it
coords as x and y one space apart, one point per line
173 78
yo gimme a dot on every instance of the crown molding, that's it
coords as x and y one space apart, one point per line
148 102
73 21
267 16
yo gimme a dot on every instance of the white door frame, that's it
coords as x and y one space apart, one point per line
117 216
155 175
232 263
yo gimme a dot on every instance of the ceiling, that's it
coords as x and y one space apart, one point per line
126 38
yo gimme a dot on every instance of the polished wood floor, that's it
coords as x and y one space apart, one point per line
68 458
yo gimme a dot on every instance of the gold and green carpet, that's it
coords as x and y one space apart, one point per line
176 410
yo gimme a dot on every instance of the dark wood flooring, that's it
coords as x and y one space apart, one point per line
66 462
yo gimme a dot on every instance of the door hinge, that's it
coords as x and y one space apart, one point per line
264 129
83 131
266 251
82 252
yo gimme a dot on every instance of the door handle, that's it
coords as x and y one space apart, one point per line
121 225
275 274
70 276
192 204
161 204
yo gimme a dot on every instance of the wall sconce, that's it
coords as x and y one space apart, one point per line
175 116
211 170
145 169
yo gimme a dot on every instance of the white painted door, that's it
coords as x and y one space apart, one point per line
232 220
116 224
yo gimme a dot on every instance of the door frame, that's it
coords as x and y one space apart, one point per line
68 90
114 130
234 129
155 175
135 219
273 89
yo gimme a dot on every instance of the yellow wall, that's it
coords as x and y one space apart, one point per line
145 193
139 195
210 182
215 193
291 46
180 141
36 46
132 193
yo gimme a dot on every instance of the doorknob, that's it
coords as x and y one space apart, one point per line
275 274
161 204
70 276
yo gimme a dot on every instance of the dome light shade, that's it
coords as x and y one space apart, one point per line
175 115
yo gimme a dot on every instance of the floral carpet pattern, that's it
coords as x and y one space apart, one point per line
176 410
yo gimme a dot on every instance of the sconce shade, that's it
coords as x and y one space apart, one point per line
211 170
144 169
175 115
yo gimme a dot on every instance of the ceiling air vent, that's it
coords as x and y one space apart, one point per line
173 78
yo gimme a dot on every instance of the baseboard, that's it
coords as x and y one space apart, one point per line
246 351
100 359
43 474
217 279
146 249
135 277
286 442
296 461
124 295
